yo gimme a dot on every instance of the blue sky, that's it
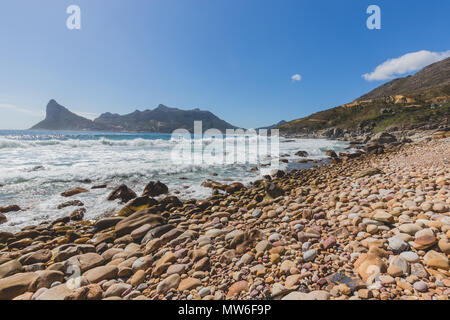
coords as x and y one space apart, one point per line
235 58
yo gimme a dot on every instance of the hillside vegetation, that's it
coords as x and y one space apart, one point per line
395 104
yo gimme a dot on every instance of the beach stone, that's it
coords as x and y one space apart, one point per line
417 269
142 263
9 268
286 266
136 205
397 245
5 236
350 280
10 208
85 261
71 203
263 246
116 290
98 274
371 264
123 193
237 288
89 292
385 279
15 285
40 256
154 189
137 220
420 286
3 218
398 267
170 282
424 239
444 245
106 223
137 278
73 192
436 260
189 283
176 268
409 228
383 216
410 256
313 295
293 280
153 245
58 292
45 279
329 242
309 255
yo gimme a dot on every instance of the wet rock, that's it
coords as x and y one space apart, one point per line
73 192
154 189
71 203
123 193
136 205
10 208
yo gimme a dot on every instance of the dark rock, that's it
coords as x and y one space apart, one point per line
11 208
278 173
331 153
351 280
100 186
78 214
273 190
154 189
382 138
302 154
123 193
73 192
72 203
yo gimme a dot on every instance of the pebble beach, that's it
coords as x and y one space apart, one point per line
369 225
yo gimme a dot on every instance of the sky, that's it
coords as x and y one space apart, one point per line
252 62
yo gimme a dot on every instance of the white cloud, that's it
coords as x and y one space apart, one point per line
296 77
407 63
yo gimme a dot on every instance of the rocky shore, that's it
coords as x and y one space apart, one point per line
374 224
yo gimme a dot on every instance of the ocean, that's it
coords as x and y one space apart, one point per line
36 166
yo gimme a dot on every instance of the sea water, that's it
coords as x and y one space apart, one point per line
36 166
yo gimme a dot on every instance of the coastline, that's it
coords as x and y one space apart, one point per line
306 234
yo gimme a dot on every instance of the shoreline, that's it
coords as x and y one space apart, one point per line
293 237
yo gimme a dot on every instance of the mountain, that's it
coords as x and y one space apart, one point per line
162 119
272 126
60 118
423 98
432 76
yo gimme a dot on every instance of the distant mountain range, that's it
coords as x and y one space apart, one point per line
273 126
161 120
423 98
